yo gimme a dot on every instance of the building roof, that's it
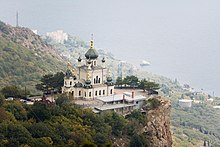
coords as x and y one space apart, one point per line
91 54
119 97
136 98
115 106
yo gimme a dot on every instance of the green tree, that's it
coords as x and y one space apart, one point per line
119 82
39 111
131 81
138 141
62 99
46 83
16 108
154 103
16 133
57 81
14 91
51 82
147 85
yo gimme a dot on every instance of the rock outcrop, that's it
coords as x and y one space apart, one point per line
157 129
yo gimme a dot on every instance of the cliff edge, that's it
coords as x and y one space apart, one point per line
157 129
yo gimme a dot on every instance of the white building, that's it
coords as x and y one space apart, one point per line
59 36
185 103
121 103
89 80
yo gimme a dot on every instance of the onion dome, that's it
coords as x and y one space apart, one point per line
79 59
68 73
109 79
103 60
91 53
78 85
87 82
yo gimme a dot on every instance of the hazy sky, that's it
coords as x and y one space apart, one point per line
181 38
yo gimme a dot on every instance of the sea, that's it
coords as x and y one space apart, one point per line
180 39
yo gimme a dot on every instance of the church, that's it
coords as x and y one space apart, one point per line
90 79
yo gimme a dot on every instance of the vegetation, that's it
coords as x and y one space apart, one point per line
20 65
153 103
148 85
15 92
63 124
51 82
134 82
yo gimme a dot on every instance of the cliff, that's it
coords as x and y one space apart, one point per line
157 129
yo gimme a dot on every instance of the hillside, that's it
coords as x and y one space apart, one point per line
24 57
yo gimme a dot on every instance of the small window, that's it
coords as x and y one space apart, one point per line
65 83
79 93
94 62
111 91
99 80
94 80
96 93
85 94
100 92
103 92
90 94
70 82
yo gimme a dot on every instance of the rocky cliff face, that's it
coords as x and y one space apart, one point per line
157 129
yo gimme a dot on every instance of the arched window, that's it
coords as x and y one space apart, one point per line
85 94
90 94
79 93
96 93
99 80
70 82
111 91
100 92
103 92
94 80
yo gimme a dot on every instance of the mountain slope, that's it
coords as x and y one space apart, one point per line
24 57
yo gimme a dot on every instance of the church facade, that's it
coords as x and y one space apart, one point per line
89 79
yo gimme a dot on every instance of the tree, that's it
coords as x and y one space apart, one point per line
62 99
119 81
16 133
131 81
147 85
16 108
154 103
57 81
46 83
40 111
50 81
138 141
14 91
